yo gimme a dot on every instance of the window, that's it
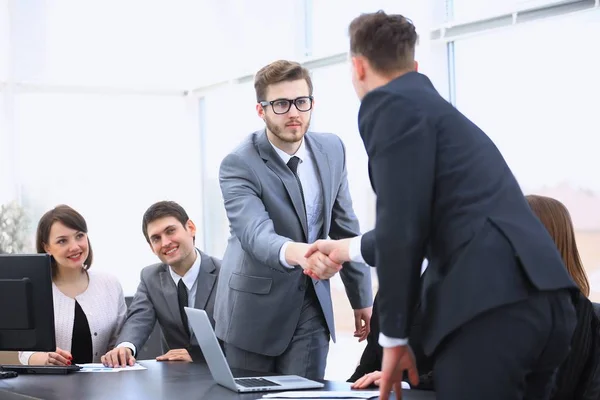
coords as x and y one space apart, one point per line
475 9
4 44
330 21
229 116
110 157
534 90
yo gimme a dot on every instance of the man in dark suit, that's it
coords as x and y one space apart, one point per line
185 277
497 318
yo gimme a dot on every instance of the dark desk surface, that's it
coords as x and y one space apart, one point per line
162 380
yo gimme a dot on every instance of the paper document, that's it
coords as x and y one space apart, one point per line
314 394
322 394
98 367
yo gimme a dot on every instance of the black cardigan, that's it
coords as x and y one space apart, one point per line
578 378
373 354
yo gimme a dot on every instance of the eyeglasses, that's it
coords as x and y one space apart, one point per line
282 106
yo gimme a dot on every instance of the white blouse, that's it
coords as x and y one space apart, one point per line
104 306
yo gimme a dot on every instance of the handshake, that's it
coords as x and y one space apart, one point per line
322 259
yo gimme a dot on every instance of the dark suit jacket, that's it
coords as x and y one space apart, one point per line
156 299
445 193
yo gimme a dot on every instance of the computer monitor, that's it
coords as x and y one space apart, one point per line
26 305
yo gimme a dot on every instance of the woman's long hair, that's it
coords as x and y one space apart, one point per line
557 220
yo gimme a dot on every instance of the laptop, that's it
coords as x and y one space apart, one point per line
220 371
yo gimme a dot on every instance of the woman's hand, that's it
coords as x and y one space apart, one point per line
59 357
367 380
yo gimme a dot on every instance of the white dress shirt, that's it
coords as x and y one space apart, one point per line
356 255
190 280
313 194
104 306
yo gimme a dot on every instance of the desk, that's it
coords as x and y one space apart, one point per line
162 380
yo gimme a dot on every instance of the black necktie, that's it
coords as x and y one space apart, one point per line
182 297
293 165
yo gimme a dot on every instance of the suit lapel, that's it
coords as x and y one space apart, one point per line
169 290
324 170
276 164
205 281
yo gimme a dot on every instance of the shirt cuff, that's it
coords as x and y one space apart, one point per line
282 260
354 250
129 345
386 341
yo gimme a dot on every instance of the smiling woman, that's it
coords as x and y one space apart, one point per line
89 308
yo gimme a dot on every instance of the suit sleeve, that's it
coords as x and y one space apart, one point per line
367 247
141 318
344 224
246 212
401 146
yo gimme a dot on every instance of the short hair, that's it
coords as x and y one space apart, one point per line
387 41
279 71
163 209
556 218
69 218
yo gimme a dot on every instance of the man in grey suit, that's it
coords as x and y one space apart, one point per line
284 187
185 277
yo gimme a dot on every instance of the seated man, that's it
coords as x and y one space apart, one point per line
185 277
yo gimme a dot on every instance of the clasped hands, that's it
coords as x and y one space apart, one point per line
324 258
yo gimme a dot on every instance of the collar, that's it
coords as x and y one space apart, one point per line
301 153
190 277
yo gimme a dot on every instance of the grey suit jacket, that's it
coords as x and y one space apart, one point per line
156 299
259 300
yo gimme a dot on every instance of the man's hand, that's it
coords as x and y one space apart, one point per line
175 355
118 357
59 357
396 360
295 255
319 266
362 323
367 380
337 250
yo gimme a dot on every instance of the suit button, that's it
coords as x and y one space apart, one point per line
95 333
96 354
301 287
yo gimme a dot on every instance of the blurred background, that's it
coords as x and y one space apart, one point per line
111 105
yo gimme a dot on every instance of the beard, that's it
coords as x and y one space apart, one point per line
287 134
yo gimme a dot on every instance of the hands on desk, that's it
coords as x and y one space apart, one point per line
118 357
372 378
175 355
58 357
395 361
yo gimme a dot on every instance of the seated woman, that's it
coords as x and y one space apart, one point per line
89 307
578 378
368 373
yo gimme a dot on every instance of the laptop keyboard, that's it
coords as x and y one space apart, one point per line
255 382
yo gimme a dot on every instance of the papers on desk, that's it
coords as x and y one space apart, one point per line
98 367
314 394
322 394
